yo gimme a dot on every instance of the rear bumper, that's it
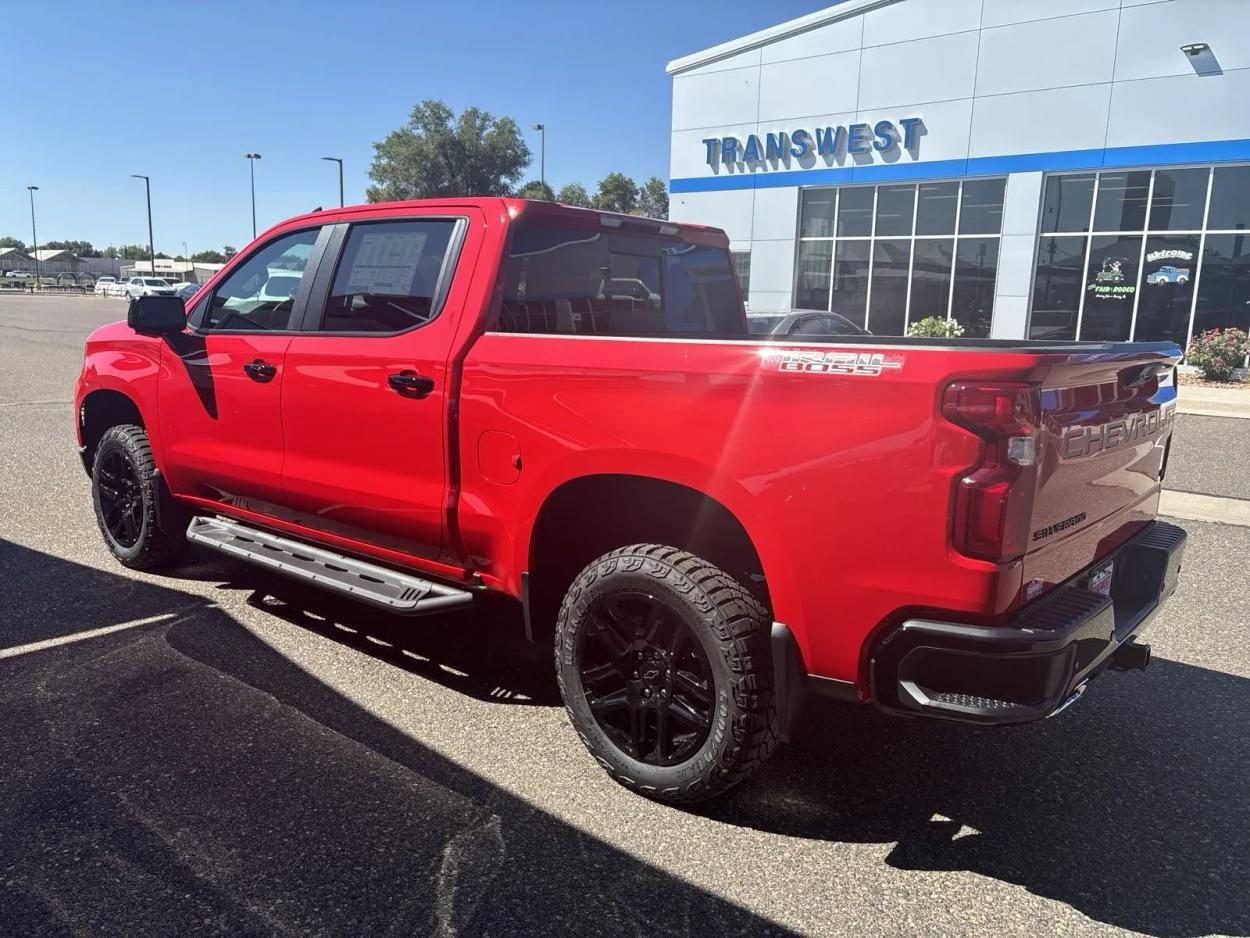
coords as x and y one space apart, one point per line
1036 664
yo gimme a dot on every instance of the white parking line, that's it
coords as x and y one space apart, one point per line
17 650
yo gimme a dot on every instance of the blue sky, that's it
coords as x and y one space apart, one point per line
88 88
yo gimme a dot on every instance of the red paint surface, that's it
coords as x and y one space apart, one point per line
842 482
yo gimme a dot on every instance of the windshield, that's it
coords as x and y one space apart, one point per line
156 283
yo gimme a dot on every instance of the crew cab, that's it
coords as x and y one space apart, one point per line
417 404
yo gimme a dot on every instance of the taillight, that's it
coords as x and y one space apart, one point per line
994 501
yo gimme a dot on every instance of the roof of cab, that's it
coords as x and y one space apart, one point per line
507 209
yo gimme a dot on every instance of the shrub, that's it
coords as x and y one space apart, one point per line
1217 352
937 327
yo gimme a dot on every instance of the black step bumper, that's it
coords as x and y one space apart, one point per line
1035 665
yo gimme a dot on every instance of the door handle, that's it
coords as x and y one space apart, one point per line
411 384
260 370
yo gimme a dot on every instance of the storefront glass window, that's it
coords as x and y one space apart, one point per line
1174 259
1224 290
850 280
817 214
1065 207
981 209
1110 287
895 206
887 309
972 303
811 283
1167 288
1180 197
1230 199
931 276
1058 286
935 209
855 213
1121 202
895 250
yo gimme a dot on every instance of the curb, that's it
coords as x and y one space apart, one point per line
1194 507
1209 412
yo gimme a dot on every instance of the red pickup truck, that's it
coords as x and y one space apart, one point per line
416 403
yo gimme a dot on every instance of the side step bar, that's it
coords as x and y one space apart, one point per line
367 582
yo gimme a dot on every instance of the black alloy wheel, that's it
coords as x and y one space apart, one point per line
646 678
143 526
121 498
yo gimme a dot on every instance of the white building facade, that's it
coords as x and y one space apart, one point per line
1052 169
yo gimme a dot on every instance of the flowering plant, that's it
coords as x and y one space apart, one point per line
1217 352
936 327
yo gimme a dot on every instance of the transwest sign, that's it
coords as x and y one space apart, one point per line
798 144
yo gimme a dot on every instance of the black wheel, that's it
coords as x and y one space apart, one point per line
125 488
663 663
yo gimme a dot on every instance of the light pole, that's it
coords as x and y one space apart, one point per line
251 162
542 152
147 185
186 256
335 159
34 248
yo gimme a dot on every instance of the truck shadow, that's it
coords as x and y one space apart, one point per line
179 775
1133 807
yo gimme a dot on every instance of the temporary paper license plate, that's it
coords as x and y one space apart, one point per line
1100 579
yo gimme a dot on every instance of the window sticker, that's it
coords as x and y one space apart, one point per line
386 262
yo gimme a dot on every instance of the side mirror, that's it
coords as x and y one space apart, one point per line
157 315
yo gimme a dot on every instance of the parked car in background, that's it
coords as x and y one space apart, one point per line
102 285
805 323
186 289
148 286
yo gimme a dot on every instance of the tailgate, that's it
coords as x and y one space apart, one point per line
1106 424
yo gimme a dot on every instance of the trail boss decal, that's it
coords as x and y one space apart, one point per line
860 364
1081 441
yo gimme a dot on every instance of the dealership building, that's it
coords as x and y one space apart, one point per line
1052 169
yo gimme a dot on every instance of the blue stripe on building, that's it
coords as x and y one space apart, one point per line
1164 154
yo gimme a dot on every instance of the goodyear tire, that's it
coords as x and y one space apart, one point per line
663 663
126 491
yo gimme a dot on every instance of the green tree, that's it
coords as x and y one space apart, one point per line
229 251
81 248
209 257
617 193
574 194
134 252
10 242
653 198
536 190
434 155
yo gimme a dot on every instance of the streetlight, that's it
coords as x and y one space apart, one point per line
186 256
542 152
34 248
147 185
251 162
335 159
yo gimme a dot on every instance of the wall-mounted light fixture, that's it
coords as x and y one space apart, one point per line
1195 48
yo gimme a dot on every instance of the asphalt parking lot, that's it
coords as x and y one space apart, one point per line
254 758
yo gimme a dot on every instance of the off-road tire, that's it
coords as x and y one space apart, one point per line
732 628
161 543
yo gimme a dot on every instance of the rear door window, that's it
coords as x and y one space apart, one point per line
390 277
583 281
